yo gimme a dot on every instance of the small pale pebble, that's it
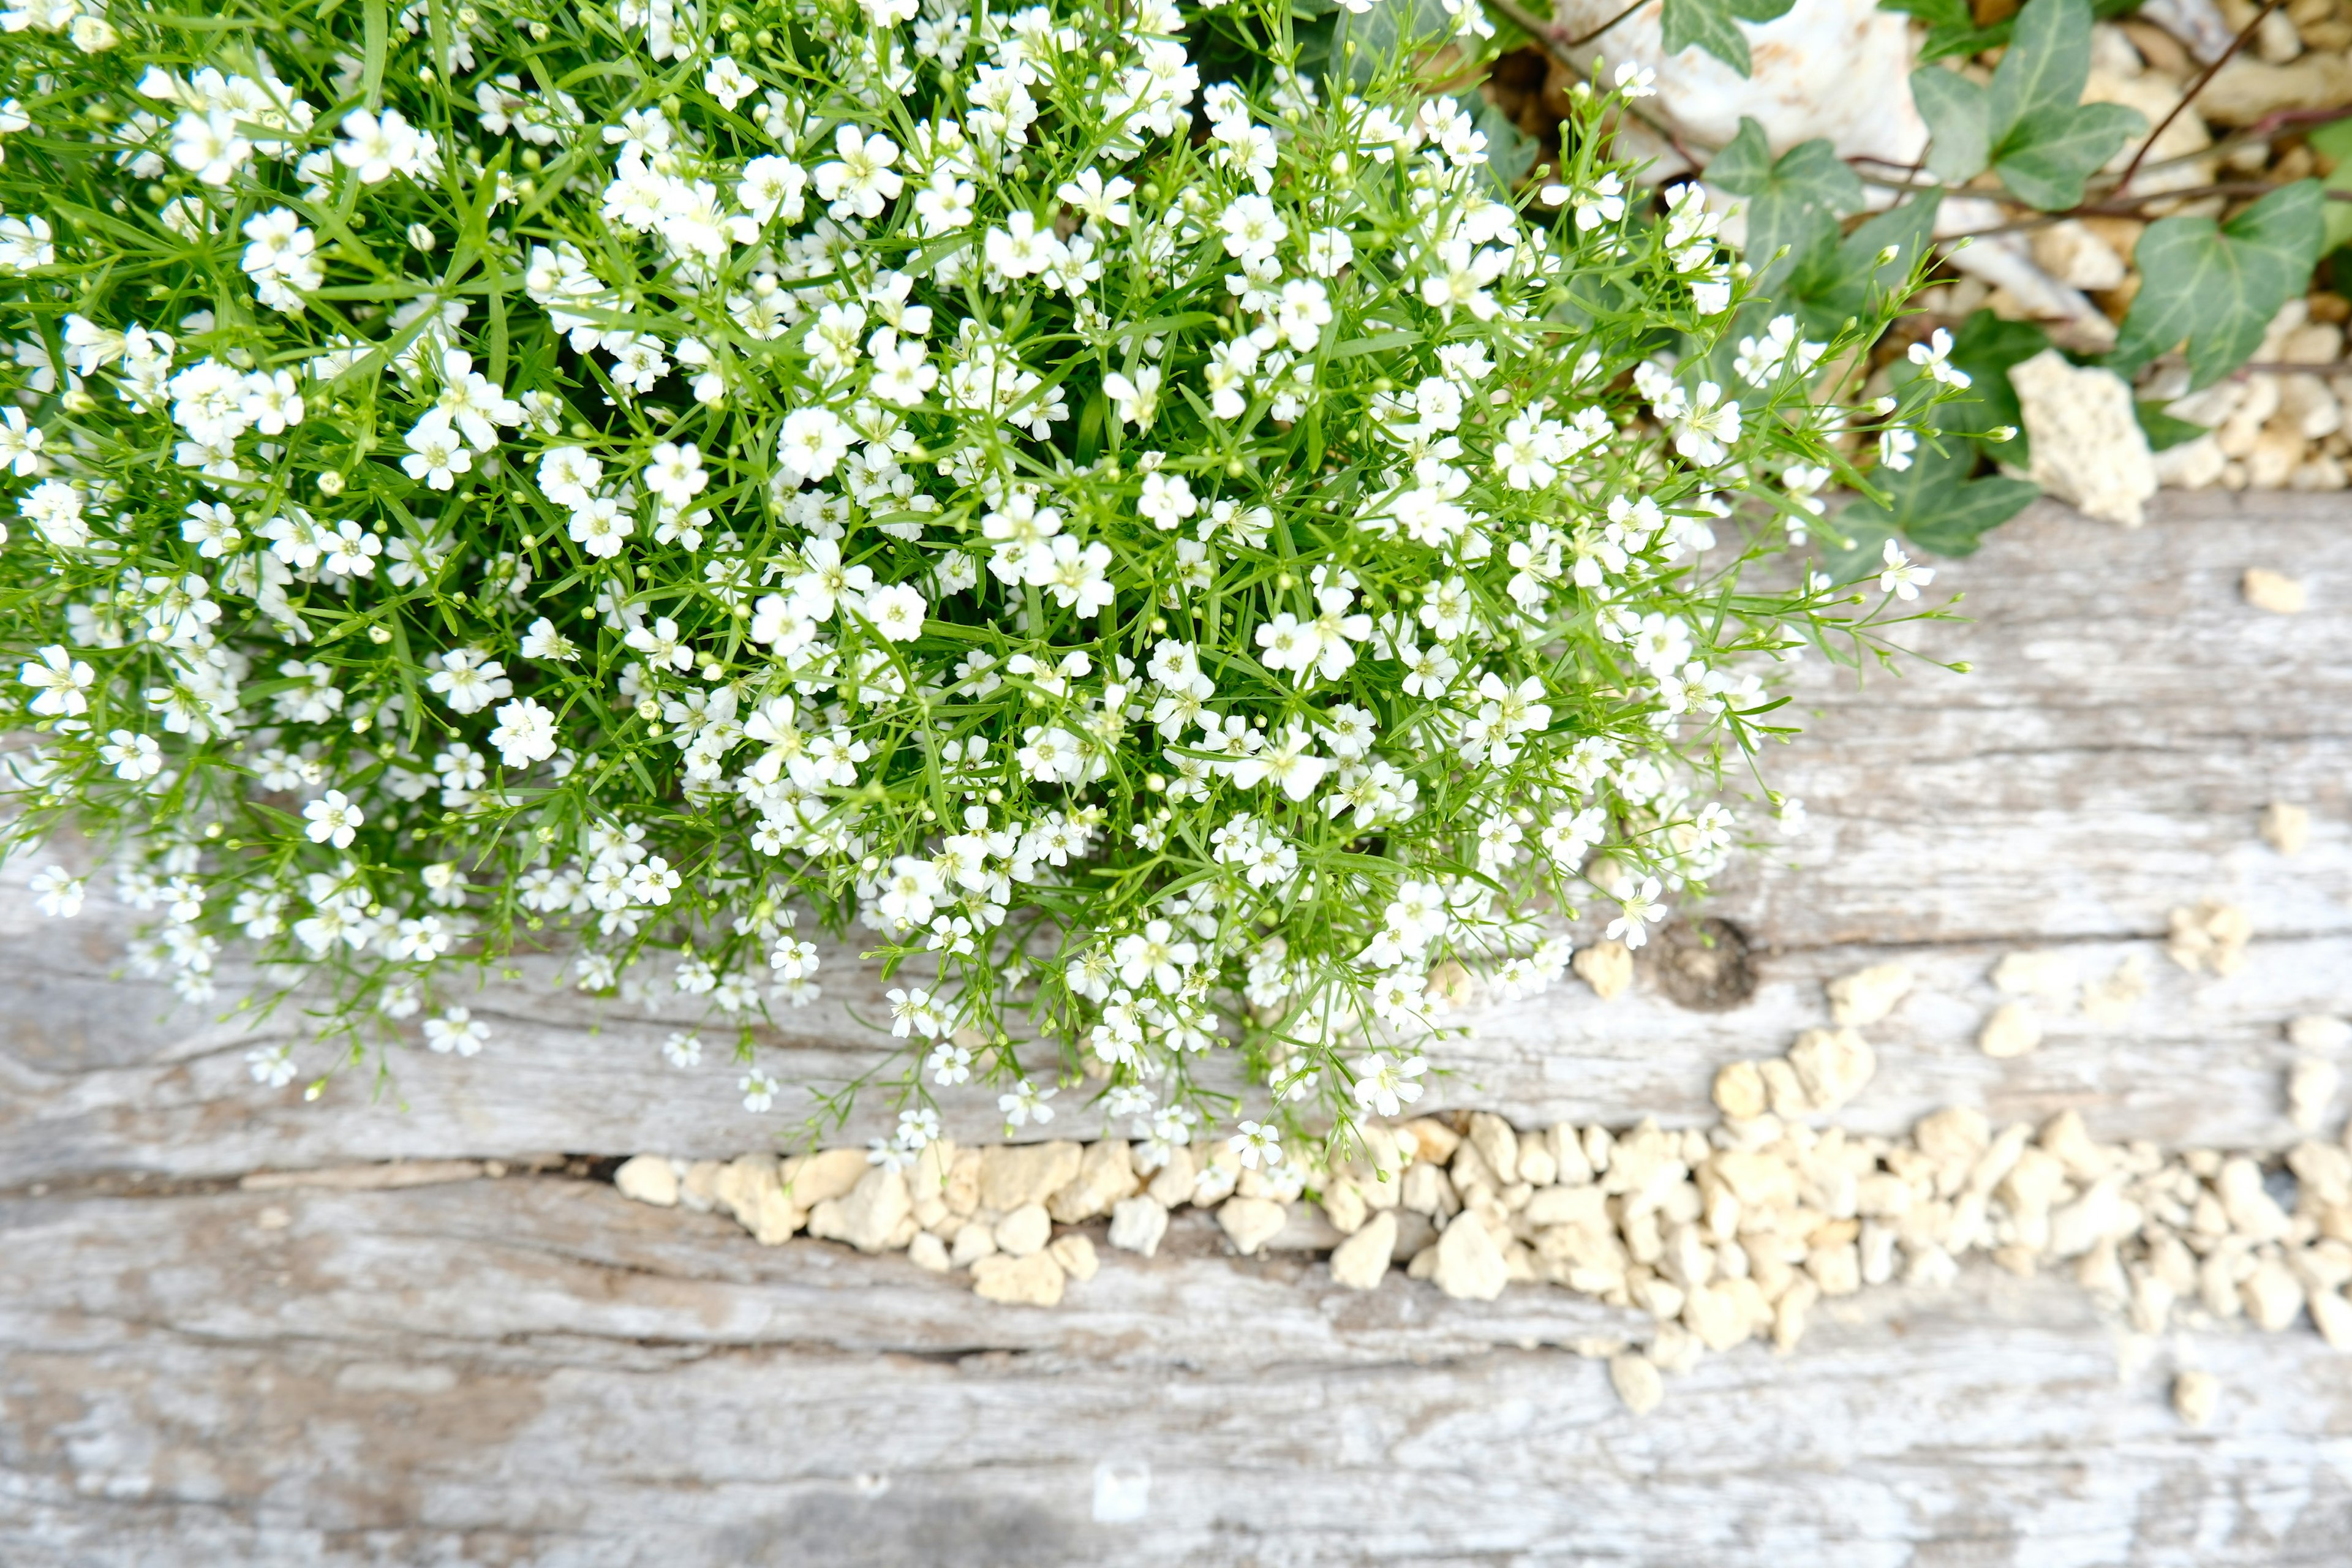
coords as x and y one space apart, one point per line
1607 967
1025 1232
1739 1091
2009 1032
2194 1395
1343 1205
1171 1184
1137 1224
1423 1264
2108 1002
1075 1254
928 1253
1868 995
1361 1262
2274 592
1033 1281
648 1179
1834 1065
972 1243
2286 828
1250 1223
1635 1378
2318 1032
2333 1315
2273 1296
2211 937
2032 975
2311 1086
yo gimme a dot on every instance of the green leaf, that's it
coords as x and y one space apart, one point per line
2048 62
1792 201
1384 32
1984 348
1841 285
1713 26
2216 287
2045 157
2335 139
2162 429
1934 504
1960 120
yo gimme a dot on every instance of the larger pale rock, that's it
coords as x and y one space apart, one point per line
1833 1065
829 1175
1033 1281
2088 447
1470 1266
751 1190
870 1216
1137 1224
2245 90
1011 1174
2009 1032
1025 1231
1361 1262
1498 1144
1250 1222
1868 995
647 1179
1106 1175
1739 1091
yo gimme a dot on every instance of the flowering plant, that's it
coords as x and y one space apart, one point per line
1183 564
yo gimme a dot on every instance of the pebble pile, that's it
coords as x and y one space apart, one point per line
1720 1236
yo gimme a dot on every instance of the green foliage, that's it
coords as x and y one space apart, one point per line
2217 286
1794 202
2027 125
2334 141
1984 349
1714 26
1952 27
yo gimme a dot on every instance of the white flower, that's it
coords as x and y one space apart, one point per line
60 679
860 180
683 1050
57 892
376 148
1386 1084
1255 1144
759 1091
272 1066
542 641
457 1029
1902 578
525 734
1934 356
812 442
1638 910
333 819
1025 1104
896 612
675 473
132 756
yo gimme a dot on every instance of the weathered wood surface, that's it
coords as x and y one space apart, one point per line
532 1371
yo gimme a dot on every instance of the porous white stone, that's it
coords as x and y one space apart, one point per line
1025 1231
1867 995
1635 1378
2088 447
2009 1031
1075 1254
1470 1266
870 1217
2194 1395
1033 1281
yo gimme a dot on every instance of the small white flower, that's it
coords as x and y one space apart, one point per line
457 1029
333 819
57 892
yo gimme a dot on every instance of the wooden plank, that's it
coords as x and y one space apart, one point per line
534 1371
2128 717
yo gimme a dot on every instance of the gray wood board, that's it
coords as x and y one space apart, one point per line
532 1371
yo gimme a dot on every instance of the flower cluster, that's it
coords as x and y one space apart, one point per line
1186 565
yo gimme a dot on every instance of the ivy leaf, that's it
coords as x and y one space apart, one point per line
2335 139
1713 26
1841 287
2217 286
2046 156
2047 65
1380 32
1794 200
1984 349
1960 122
1933 504
1509 153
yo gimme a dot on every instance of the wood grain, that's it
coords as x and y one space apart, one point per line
532 1370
